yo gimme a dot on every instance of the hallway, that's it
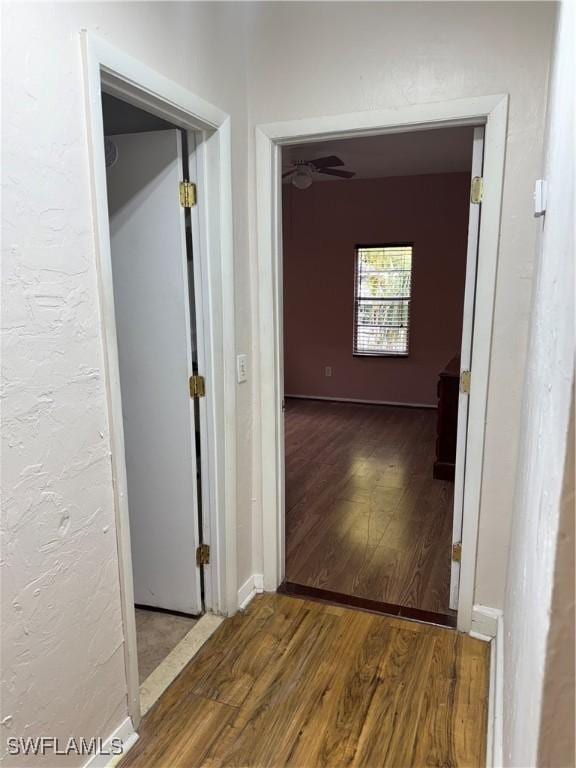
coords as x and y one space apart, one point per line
214 208
290 682
364 516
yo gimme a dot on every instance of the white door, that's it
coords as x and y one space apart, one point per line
465 363
147 234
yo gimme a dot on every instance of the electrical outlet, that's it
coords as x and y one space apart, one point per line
242 368
328 371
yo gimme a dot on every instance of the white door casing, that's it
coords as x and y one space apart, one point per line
149 265
466 362
111 69
490 111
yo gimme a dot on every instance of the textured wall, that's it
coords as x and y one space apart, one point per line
556 748
322 226
533 632
62 643
311 59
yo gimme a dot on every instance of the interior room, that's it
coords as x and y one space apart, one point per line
375 235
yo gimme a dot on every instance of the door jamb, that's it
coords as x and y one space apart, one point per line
108 68
491 111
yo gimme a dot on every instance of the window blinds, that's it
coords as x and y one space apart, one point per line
382 296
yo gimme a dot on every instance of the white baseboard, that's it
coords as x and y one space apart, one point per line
105 759
494 743
362 402
251 587
485 621
498 708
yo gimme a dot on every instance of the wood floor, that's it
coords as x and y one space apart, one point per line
364 515
297 683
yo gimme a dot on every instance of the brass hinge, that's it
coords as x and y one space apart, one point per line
477 190
457 552
187 194
465 378
197 386
203 554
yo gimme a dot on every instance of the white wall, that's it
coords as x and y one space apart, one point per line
544 445
556 745
325 58
62 643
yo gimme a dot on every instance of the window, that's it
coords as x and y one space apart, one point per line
382 292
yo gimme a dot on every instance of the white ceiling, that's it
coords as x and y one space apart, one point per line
442 150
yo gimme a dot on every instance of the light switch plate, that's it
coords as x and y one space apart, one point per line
540 190
242 368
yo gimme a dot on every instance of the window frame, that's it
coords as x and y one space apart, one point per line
365 246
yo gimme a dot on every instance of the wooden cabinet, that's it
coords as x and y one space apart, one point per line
447 423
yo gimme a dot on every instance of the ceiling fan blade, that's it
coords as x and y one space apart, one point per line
287 173
325 162
341 174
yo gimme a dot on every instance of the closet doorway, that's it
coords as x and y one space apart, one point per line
152 249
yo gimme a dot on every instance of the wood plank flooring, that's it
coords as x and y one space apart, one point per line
297 683
364 516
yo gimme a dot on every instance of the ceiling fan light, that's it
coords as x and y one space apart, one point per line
302 179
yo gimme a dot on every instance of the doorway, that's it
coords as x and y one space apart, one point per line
489 112
155 309
112 71
379 251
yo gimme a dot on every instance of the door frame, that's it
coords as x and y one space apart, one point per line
490 111
109 69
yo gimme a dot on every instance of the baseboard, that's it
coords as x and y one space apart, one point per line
251 587
362 402
498 705
126 734
494 744
485 621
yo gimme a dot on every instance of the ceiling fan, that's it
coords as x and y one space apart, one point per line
302 171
